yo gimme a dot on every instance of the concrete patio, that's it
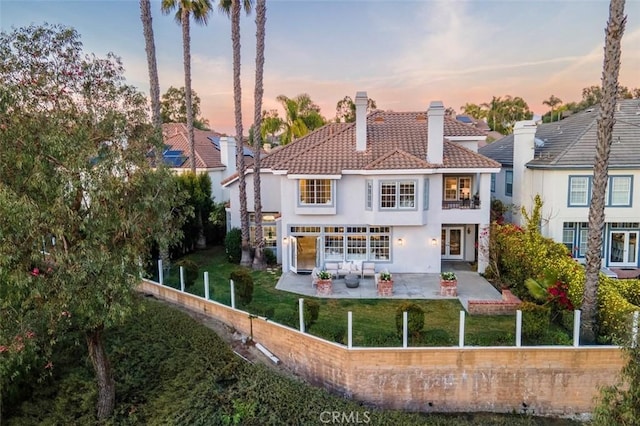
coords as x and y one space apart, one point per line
471 286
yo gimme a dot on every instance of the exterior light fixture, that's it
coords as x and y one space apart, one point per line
400 242
434 242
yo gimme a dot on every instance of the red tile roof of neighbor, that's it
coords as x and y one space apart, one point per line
395 141
207 155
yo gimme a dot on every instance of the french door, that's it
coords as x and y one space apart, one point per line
623 248
451 243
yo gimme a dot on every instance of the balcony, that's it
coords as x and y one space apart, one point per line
473 203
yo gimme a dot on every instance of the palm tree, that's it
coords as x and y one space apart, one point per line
302 116
552 102
261 18
200 10
150 47
232 8
610 71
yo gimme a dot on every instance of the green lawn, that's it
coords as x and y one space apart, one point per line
373 319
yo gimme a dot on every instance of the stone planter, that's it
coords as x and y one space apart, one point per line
449 288
324 287
385 288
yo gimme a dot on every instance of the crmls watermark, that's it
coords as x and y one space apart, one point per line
344 417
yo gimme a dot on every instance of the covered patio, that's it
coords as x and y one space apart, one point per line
471 286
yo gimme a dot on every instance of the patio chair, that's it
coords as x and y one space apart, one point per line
368 269
314 276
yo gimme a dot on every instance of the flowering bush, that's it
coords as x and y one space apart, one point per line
385 276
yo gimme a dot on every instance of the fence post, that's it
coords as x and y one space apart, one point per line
405 328
160 273
206 285
576 327
301 313
349 329
182 278
233 294
518 328
634 330
461 332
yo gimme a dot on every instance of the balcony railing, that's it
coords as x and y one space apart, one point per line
461 204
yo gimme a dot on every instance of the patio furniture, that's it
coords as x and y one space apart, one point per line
314 276
368 269
338 269
352 280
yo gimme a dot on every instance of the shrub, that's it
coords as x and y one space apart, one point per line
615 311
382 340
243 282
233 245
286 316
190 271
415 318
535 319
311 312
436 337
270 257
330 331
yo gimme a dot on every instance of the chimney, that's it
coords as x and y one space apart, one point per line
524 133
361 121
435 134
228 154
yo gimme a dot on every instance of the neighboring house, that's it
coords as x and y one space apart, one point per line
401 189
215 155
556 160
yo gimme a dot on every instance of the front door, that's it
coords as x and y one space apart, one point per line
623 248
451 243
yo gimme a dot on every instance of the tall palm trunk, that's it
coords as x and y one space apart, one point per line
610 71
104 375
186 49
261 9
245 260
150 47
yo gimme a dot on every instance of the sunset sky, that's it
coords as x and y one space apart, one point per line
404 54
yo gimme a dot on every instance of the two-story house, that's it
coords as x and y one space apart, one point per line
555 160
401 189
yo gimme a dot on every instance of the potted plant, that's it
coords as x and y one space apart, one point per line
324 283
385 284
448 284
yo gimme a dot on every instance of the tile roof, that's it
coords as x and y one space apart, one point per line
572 141
207 155
395 141
500 150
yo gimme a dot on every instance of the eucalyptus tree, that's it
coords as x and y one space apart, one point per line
185 9
232 9
261 20
80 203
605 122
173 108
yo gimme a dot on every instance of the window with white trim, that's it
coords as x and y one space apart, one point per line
425 202
398 195
268 229
368 194
619 191
493 182
579 191
315 191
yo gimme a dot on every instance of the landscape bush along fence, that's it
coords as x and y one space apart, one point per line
544 380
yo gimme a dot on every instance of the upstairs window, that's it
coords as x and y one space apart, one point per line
398 195
619 191
368 202
315 192
493 182
579 191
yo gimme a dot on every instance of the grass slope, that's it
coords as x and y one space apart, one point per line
172 370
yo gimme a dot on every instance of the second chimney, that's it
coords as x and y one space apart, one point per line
435 132
361 121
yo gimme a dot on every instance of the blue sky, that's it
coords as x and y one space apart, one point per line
403 53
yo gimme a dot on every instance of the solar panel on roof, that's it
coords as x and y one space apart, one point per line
172 153
174 161
464 119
